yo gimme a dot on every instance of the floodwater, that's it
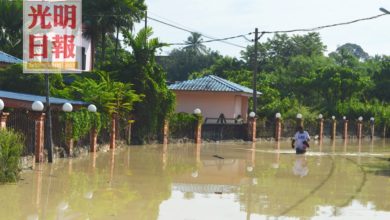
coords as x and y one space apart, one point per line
215 181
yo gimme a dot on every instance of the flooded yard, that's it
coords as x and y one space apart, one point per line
265 180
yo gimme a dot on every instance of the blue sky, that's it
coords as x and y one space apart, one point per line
224 18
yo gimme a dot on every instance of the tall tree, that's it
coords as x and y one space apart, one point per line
354 50
102 18
195 45
11 33
149 79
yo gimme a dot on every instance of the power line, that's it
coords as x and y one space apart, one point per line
193 30
324 26
215 40
222 40
171 25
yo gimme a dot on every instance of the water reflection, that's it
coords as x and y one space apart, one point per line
275 164
245 181
300 166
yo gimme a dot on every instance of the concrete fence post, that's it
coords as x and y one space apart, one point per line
345 129
252 129
372 127
359 129
278 129
93 140
198 131
166 131
321 128
299 120
3 119
39 119
113 131
69 137
334 126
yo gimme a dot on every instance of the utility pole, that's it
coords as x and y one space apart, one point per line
48 135
255 71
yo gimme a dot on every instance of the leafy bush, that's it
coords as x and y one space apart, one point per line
182 124
11 146
83 121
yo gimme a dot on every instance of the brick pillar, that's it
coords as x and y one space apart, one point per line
128 129
69 137
321 128
39 119
278 129
93 140
113 131
299 122
333 134
3 119
345 129
166 131
372 128
252 129
198 131
359 129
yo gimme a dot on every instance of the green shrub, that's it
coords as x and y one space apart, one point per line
11 146
182 123
83 121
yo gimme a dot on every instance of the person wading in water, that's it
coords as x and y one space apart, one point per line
300 141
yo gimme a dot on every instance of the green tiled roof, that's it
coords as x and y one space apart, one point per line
211 83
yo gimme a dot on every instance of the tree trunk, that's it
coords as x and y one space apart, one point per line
93 50
103 46
116 40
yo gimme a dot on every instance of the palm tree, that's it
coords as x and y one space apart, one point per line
195 45
148 79
131 11
102 18
11 22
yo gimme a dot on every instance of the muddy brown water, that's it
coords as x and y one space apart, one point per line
266 180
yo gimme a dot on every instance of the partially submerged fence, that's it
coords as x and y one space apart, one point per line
266 128
189 129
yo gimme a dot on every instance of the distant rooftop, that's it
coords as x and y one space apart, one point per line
6 58
211 83
32 98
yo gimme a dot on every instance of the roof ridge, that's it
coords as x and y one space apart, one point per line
219 79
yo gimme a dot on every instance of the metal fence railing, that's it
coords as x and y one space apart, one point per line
19 120
266 128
